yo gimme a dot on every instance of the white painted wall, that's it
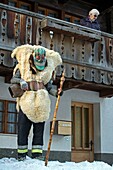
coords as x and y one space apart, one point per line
107 125
103 120
4 93
63 143
8 141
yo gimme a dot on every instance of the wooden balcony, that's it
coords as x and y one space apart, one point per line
87 54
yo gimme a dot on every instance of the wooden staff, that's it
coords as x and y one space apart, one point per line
54 118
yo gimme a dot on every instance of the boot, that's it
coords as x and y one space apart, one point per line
21 156
38 156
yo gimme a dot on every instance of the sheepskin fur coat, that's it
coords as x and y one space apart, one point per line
35 104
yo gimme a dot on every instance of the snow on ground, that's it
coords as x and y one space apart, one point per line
33 164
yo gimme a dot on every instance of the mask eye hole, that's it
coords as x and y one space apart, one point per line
38 57
43 57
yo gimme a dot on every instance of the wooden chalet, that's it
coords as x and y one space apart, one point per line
55 24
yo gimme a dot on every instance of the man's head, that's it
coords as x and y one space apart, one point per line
39 58
93 14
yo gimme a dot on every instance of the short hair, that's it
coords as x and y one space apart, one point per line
94 11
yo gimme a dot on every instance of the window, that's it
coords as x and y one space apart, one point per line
52 13
8 117
24 5
41 10
48 12
45 11
19 4
70 18
12 3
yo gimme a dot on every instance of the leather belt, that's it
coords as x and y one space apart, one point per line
34 85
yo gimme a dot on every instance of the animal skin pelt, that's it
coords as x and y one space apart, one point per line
35 104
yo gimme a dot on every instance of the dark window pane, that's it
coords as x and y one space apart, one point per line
41 12
1 129
86 127
11 107
76 21
67 19
1 116
1 106
73 125
78 128
54 15
11 128
26 7
12 117
12 4
16 130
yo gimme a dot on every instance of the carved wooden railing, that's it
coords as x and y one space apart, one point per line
87 54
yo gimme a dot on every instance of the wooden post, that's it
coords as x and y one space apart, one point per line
54 119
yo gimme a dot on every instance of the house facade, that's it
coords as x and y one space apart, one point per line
83 129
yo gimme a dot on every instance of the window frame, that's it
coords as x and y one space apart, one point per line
5 122
71 17
20 3
47 11
57 13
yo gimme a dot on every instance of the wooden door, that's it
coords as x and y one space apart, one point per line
82 132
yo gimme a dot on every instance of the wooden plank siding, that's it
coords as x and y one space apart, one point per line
87 54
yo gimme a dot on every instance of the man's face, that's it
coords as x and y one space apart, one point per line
93 17
39 58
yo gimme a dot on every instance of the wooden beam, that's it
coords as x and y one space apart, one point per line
103 90
70 29
106 93
5 71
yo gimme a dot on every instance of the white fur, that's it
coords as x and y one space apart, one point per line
35 104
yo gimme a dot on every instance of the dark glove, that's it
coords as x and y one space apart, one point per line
61 93
24 85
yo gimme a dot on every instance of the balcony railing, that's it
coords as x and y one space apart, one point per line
87 54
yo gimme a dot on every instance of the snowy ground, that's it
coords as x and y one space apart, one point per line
32 164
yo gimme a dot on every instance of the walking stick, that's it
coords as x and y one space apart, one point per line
54 119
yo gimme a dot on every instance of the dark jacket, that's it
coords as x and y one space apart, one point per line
87 23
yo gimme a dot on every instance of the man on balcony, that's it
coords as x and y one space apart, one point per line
91 20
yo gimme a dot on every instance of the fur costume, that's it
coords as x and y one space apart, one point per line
35 104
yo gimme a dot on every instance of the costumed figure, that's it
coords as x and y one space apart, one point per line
33 73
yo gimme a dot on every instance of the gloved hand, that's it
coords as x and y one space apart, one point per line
24 85
59 92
